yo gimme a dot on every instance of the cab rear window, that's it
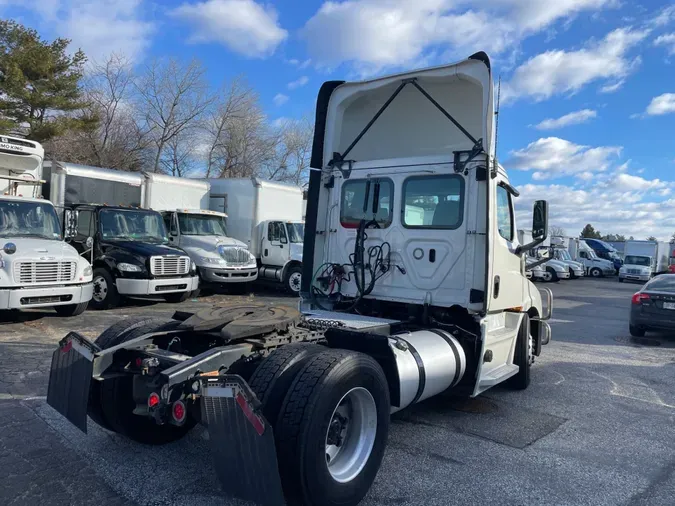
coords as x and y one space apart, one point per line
366 199
433 202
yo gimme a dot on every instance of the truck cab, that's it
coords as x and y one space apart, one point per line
281 246
203 235
594 266
130 253
605 251
636 268
37 268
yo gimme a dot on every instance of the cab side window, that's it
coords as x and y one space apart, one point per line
85 225
504 213
276 232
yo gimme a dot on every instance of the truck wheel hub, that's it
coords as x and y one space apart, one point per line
294 281
351 435
100 289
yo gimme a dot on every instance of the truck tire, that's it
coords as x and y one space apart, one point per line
71 309
332 429
522 357
118 404
273 377
596 272
105 294
554 275
293 280
636 331
112 336
620 280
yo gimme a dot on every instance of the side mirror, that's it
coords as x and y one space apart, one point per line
544 253
173 229
70 223
540 220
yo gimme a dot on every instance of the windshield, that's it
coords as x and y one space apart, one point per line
201 224
563 254
296 232
29 219
591 254
132 225
638 260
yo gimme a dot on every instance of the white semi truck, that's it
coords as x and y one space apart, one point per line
202 233
644 259
267 217
553 269
396 307
37 268
581 252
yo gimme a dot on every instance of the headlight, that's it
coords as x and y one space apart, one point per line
213 260
88 271
124 267
193 266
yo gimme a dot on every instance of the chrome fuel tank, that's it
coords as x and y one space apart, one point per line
428 362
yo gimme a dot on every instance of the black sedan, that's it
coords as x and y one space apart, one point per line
653 307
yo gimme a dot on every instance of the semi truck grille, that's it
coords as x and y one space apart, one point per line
35 273
235 256
169 265
632 271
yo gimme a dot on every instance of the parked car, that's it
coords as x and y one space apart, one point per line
653 307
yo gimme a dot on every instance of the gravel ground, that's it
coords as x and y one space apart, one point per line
596 426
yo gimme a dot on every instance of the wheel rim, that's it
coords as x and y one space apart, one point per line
595 273
351 435
295 281
100 289
547 276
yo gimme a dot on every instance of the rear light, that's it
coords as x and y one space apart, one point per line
178 412
153 400
639 298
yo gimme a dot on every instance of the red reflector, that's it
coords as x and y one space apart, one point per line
139 362
67 347
178 411
153 400
639 298
255 420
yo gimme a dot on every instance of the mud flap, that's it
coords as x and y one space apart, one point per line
242 441
70 377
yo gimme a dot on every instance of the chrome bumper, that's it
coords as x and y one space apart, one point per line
25 298
156 287
243 275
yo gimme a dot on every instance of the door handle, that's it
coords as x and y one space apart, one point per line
496 289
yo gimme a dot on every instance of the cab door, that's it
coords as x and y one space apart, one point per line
275 250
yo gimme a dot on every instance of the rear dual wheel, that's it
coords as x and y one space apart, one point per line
331 421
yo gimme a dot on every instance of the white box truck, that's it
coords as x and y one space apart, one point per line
202 233
37 268
595 266
267 216
643 260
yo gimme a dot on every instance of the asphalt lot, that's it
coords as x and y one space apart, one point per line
596 426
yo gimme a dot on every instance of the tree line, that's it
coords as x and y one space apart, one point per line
161 116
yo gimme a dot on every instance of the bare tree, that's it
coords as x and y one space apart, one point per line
180 154
555 231
234 102
172 98
293 144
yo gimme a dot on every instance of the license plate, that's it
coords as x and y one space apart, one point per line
669 305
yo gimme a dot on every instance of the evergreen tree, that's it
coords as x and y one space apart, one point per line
590 233
39 84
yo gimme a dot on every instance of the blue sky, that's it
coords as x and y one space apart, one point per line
588 86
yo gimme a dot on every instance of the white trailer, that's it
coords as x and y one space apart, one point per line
644 259
202 233
37 269
267 216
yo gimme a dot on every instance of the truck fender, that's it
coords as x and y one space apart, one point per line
288 265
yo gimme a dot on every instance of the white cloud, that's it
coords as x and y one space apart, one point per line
664 17
663 104
98 27
668 41
558 71
627 182
573 118
376 34
280 99
243 26
298 83
614 208
555 157
300 64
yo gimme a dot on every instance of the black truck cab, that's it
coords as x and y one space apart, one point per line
129 250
